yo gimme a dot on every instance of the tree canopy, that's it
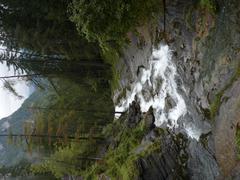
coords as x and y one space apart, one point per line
57 45
42 27
110 20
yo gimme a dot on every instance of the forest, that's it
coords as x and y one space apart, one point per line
67 49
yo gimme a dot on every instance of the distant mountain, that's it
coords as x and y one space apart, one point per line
11 154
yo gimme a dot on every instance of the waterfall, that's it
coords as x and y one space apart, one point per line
154 86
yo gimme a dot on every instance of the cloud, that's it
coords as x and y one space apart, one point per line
8 102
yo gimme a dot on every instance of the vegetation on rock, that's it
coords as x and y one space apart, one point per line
109 21
125 148
215 105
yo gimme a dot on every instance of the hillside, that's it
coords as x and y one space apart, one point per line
9 153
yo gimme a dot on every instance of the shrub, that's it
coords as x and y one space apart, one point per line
209 5
110 20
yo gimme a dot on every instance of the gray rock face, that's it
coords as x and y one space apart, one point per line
207 58
201 163
207 64
226 124
134 58
168 164
149 119
134 114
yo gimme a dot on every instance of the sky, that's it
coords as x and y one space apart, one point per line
8 102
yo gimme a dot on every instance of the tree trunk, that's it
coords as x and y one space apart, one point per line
52 136
78 110
164 16
19 76
81 62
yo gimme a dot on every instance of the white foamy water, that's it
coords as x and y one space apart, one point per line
154 86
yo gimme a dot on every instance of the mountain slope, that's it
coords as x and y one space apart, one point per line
10 153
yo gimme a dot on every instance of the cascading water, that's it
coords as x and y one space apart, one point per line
154 86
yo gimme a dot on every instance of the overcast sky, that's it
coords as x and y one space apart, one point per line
8 102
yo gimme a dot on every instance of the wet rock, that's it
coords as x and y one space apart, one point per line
151 136
149 119
169 103
143 147
165 165
182 46
134 56
146 92
134 115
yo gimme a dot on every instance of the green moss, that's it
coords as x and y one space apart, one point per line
121 160
208 5
111 56
189 17
215 105
154 147
204 139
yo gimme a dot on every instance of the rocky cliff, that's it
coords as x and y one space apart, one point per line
205 44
